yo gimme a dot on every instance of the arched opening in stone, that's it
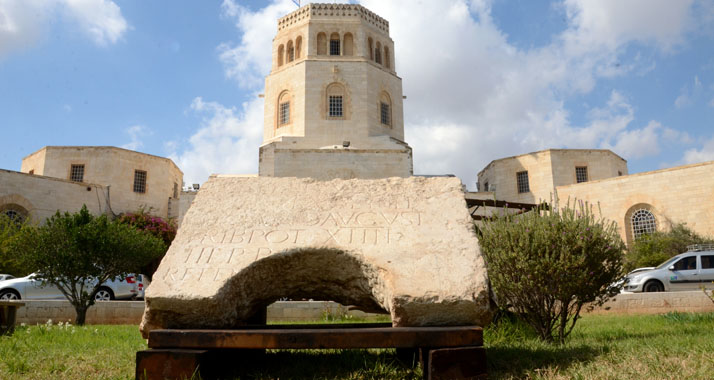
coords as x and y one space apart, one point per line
281 52
321 44
318 274
15 212
348 44
298 47
291 52
369 48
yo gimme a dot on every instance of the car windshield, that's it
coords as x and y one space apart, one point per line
667 263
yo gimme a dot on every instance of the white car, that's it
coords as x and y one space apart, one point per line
4 277
30 288
686 271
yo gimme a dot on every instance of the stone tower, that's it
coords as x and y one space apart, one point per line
333 101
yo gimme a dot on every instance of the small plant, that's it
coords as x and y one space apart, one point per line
547 264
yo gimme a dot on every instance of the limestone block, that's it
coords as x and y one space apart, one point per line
405 246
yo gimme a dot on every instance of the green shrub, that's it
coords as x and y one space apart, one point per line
162 229
653 249
545 265
78 252
9 262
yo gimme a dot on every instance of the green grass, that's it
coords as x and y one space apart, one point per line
670 346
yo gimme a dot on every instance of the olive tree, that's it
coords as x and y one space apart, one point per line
78 252
547 264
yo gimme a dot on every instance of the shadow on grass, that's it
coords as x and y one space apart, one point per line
324 364
520 362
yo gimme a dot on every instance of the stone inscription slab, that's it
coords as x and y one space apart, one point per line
402 245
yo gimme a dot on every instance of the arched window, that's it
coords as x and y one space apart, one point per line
283 109
369 48
378 53
643 223
335 101
298 47
281 52
386 57
15 212
334 44
348 44
385 109
321 44
291 51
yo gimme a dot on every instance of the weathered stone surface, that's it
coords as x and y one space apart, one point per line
405 246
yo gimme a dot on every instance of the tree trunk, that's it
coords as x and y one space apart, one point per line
81 314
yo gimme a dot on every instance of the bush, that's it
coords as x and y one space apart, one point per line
164 230
79 252
545 265
653 249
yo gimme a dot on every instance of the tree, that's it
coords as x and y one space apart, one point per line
545 265
9 262
78 252
164 230
653 249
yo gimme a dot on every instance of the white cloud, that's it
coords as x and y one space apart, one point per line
136 133
706 153
100 19
226 142
473 97
688 94
24 22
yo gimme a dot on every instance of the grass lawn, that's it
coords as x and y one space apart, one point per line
672 346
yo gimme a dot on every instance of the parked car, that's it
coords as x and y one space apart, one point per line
4 277
142 281
686 271
31 288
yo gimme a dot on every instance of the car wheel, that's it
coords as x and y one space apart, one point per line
104 294
9 295
653 286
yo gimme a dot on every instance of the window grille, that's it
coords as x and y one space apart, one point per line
284 113
76 173
334 47
643 223
384 111
291 54
139 181
522 179
581 174
335 106
13 215
378 56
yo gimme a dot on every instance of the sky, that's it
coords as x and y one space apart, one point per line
484 79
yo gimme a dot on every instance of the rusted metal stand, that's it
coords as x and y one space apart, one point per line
444 352
8 313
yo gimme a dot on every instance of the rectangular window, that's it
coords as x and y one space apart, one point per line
485 186
384 111
139 181
581 174
76 173
522 179
707 262
284 113
175 190
335 106
334 47
32 171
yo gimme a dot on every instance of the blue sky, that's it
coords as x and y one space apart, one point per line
484 79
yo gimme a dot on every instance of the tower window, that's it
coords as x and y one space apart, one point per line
76 173
522 180
139 181
384 113
581 174
335 106
284 113
643 223
378 53
485 186
291 53
334 47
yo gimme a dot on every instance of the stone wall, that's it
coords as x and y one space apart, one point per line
677 195
657 303
113 168
42 196
102 313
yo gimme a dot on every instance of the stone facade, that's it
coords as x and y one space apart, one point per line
333 101
652 200
682 194
131 180
545 170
